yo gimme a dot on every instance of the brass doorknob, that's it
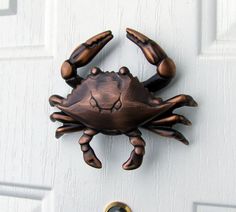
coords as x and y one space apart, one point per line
117 207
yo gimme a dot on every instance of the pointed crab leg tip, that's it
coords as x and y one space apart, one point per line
58 135
195 104
107 35
185 142
132 31
127 168
189 123
99 167
128 30
105 40
192 102
131 165
108 32
182 139
96 165
186 122
136 36
102 38
110 37
51 118
50 103
54 100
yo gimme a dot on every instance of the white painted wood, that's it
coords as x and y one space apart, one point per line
214 208
40 35
8 7
30 32
4 4
16 197
217 28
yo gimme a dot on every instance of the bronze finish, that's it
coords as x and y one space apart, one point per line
118 103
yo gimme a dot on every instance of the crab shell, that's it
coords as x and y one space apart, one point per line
112 103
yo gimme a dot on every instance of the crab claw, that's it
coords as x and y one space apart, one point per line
84 53
152 51
155 55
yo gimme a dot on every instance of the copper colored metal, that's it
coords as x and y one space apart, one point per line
117 207
115 103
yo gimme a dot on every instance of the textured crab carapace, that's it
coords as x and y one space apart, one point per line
118 103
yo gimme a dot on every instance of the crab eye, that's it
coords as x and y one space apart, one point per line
124 70
117 105
95 70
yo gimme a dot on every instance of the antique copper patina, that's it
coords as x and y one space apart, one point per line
118 103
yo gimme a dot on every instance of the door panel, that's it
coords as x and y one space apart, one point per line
40 173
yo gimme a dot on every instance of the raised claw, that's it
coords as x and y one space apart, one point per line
152 51
82 55
155 55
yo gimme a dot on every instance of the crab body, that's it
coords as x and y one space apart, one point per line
116 103
107 102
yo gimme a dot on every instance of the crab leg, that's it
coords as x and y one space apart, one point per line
82 55
156 56
183 100
170 120
136 156
68 128
170 133
180 101
162 124
89 156
176 101
62 117
55 100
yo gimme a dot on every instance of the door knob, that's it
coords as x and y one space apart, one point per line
117 207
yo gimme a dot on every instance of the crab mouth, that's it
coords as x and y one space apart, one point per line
106 106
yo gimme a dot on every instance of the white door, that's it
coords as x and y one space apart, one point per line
39 173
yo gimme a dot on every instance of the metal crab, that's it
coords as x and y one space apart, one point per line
118 103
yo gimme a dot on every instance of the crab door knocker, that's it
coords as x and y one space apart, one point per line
115 103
